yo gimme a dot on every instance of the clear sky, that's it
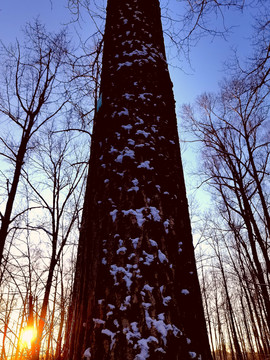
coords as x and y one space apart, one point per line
207 57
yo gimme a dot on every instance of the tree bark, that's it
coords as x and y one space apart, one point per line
136 292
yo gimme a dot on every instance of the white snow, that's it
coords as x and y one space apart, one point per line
146 305
142 132
149 258
143 344
185 292
162 328
127 63
135 182
176 331
112 150
122 250
127 300
131 256
135 187
121 242
125 153
135 242
111 335
127 127
113 214
131 142
166 300
122 308
161 316
127 275
132 333
148 288
155 213
127 278
140 121
166 225
148 319
153 243
98 321
108 332
162 257
141 145
123 112
137 213
87 354
143 96
129 153
145 165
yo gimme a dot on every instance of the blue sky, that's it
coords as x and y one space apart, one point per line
206 58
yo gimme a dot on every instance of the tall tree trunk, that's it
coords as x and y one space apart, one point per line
136 292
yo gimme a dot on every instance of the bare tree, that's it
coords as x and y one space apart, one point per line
31 95
232 128
55 178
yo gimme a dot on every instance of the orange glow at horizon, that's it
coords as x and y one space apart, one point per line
28 335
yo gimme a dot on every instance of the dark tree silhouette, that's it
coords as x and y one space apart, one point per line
136 292
31 81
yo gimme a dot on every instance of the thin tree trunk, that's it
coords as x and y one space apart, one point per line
6 218
44 308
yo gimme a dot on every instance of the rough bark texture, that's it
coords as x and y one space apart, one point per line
136 293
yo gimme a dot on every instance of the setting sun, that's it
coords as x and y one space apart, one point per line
28 335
